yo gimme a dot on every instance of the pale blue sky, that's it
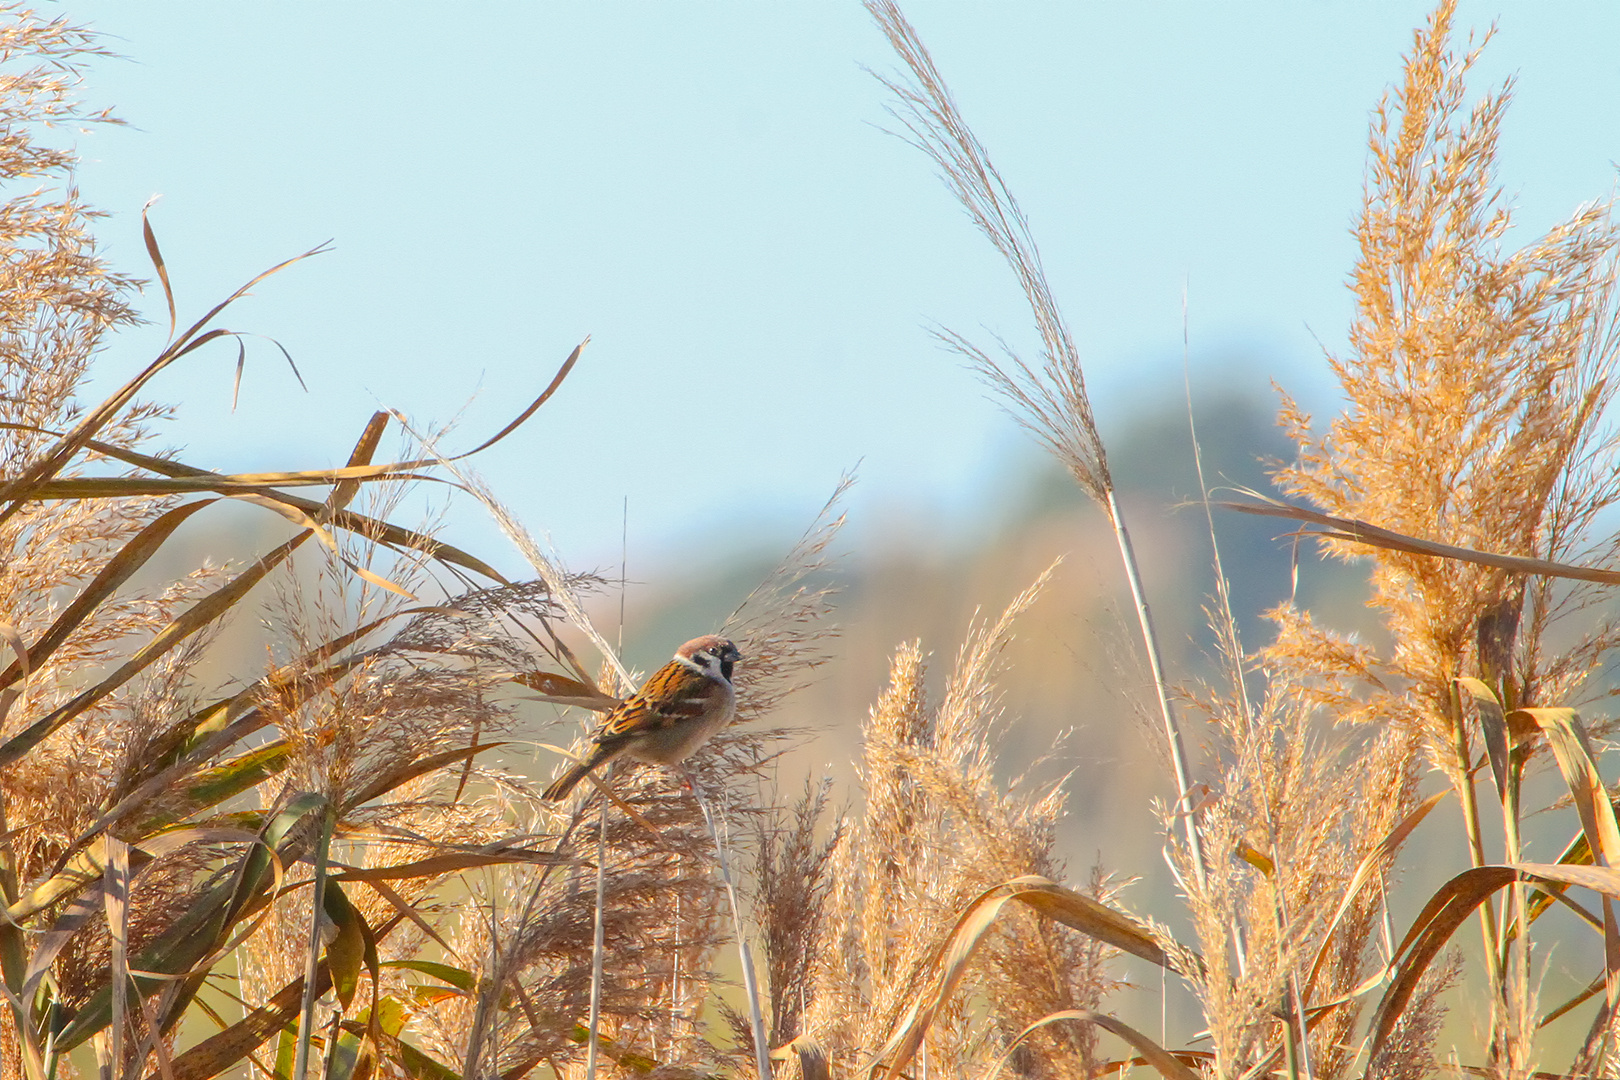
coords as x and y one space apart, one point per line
705 189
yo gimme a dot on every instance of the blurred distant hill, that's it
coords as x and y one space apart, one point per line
1076 664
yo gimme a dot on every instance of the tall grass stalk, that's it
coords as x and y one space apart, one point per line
745 957
1051 401
1184 808
598 952
318 923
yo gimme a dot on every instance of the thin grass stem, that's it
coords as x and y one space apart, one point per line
334 1032
1476 853
116 883
756 1019
312 959
1515 912
1172 730
598 932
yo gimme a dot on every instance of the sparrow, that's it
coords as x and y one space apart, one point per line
675 712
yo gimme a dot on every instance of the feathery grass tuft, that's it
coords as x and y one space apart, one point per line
317 862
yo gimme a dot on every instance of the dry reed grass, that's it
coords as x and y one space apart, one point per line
321 867
1477 384
1050 400
1477 388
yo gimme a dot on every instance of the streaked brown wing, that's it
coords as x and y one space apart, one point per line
673 695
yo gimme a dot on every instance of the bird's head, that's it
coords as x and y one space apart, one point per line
711 652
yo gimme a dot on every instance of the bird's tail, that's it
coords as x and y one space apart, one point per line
561 786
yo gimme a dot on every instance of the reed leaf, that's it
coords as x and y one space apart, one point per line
1450 906
1168 1065
951 962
